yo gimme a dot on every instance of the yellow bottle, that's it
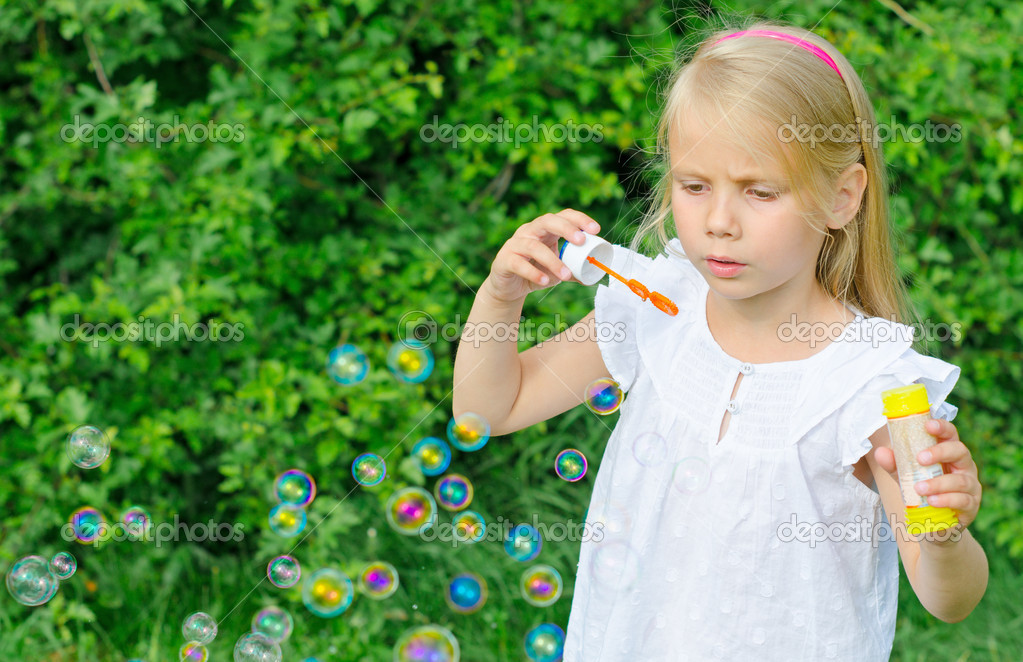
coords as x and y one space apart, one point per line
908 411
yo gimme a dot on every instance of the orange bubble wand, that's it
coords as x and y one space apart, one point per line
660 301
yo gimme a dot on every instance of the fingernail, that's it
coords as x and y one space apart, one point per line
933 425
565 273
921 487
544 280
924 457
593 227
579 237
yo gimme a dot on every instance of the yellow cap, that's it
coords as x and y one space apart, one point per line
927 519
905 400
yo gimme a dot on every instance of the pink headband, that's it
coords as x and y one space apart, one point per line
805 45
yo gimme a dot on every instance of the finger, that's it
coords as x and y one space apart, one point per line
549 227
582 221
947 484
544 257
960 501
953 453
942 430
885 459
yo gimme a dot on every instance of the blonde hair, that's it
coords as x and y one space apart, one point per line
757 86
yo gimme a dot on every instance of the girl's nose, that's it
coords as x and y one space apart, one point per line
721 218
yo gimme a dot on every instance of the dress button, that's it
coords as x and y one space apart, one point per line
733 406
746 368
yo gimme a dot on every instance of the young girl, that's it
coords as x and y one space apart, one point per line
740 495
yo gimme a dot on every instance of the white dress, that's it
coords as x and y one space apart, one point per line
763 546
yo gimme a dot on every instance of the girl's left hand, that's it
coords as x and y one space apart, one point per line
959 489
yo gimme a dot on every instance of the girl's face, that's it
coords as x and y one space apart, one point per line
724 206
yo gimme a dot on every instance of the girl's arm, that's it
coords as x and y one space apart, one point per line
491 378
948 574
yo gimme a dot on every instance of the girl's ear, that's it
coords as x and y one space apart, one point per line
848 195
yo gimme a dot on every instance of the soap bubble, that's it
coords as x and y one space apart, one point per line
274 622
453 492
692 475
88 447
199 627
545 643
603 396
468 432
433 455
63 565
31 582
650 449
466 593
379 580
469 527
87 523
137 522
284 571
541 585
570 465
295 488
411 361
286 520
369 469
411 510
347 365
193 651
426 643
614 565
327 592
523 543
256 647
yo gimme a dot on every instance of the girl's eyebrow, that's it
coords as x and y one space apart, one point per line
745 178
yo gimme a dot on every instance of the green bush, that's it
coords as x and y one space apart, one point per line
329 220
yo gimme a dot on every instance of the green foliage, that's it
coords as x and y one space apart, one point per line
325 218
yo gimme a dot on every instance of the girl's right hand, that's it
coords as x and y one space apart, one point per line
529 260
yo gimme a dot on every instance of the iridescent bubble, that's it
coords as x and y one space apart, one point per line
63 565
295 487
88 447
347 365
466 593
256 647
286 520
650 449
87 523
570 465
31 582
411 510
327 592
603 396
433 455
137 522
411 361
614 565
426 643
379 580
284 571
369 469
274 622
545 643
200 628
468 432
453 492
193 651
469 527
692 475
614 521
523 543
541 585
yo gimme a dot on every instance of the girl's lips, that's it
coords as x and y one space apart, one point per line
724 269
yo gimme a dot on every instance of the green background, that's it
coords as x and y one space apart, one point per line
332 219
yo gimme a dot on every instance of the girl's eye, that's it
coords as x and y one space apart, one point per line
693 188
763 194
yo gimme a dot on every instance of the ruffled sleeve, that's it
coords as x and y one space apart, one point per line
863 414
615 311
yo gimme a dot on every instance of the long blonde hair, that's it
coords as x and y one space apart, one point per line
758 86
